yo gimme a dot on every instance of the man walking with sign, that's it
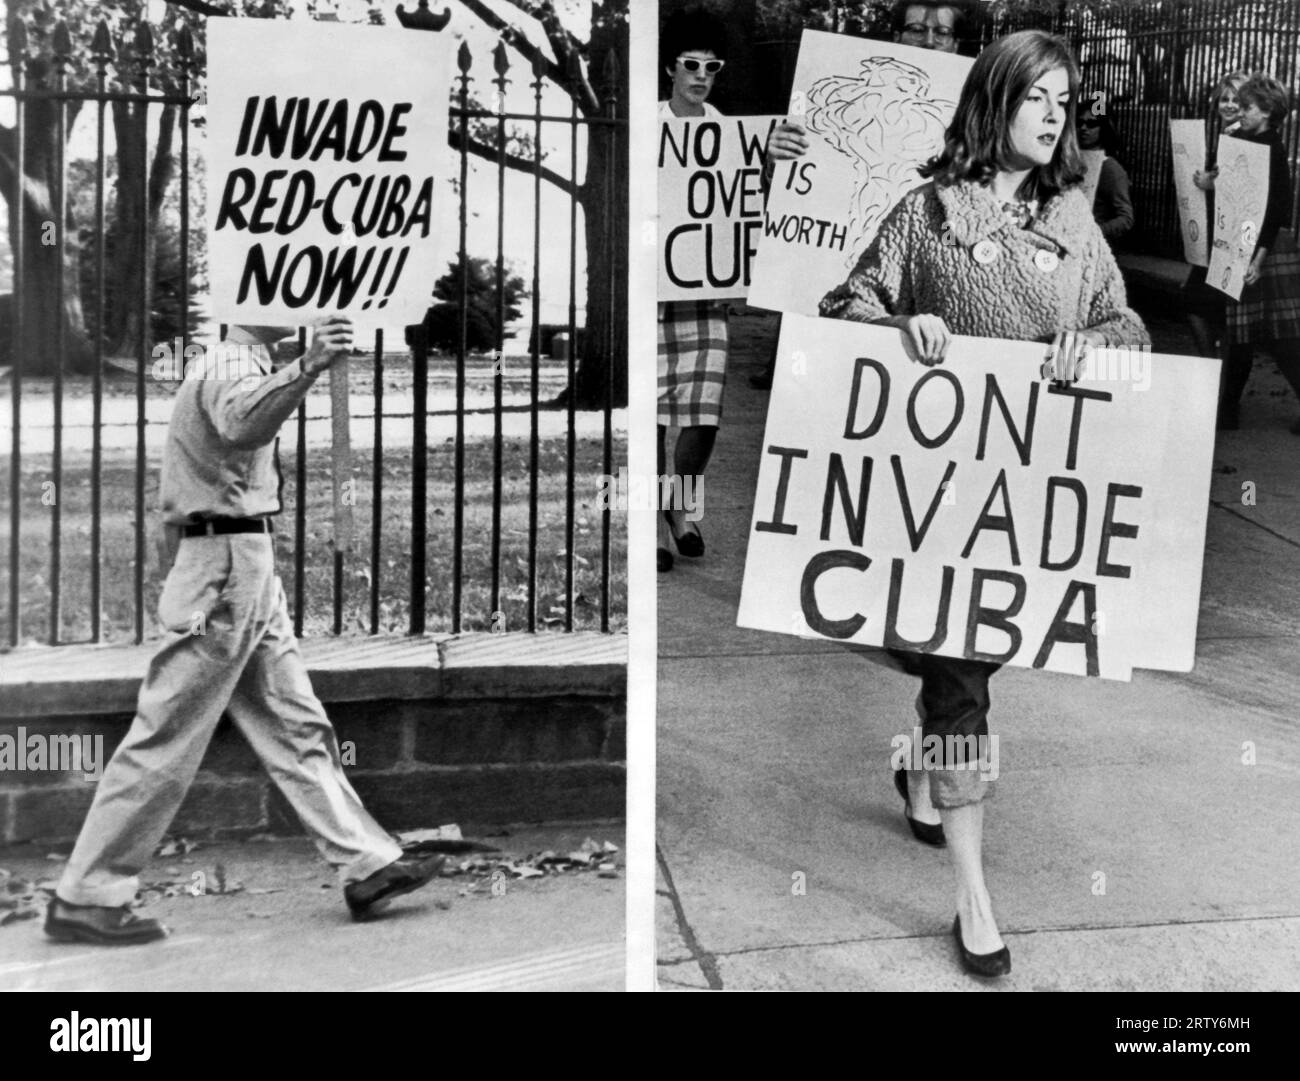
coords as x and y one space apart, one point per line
228 647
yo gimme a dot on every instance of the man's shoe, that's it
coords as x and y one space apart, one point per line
99 925
371 895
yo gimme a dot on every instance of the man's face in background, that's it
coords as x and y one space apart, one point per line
930 26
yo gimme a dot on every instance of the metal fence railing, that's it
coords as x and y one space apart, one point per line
483 474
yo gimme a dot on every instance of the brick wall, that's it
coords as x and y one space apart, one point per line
414 763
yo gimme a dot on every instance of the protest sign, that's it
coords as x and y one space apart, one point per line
974 509
875 113
1188 141
710 204
1240 199
322 171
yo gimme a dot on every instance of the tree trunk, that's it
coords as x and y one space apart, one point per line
140 190
604 353
41 264
603 361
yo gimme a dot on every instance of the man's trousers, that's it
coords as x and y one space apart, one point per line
229 647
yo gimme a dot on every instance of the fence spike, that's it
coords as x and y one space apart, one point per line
142 50
610 73
464 60
62 44
540 65
101 47
185 46
501 59
18 40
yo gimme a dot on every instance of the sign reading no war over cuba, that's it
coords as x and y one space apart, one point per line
974 509
710 204
322 170
875 112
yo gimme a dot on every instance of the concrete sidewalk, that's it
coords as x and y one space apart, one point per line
288 928
1128 847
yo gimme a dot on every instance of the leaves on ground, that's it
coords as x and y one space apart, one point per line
174 846
490 872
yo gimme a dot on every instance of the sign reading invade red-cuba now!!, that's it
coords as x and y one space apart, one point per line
322 171
974 509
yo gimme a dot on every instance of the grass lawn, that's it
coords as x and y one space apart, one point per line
393 570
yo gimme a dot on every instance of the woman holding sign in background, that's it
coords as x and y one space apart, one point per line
1001 243
1204 304
1269 310
692 334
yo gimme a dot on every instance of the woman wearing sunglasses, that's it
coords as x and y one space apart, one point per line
692 333
1112 206
1000 243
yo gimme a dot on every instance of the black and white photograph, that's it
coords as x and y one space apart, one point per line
355 357
978 410
313 348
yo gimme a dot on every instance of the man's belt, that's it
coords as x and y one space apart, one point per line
218 527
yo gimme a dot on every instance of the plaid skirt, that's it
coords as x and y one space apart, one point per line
1269 310
692 363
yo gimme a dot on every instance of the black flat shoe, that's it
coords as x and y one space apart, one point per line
371 895
99 925
688 544
987 965
663 559
922 831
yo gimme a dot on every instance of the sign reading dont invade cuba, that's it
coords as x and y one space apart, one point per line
710 204
875 112
322 171
974 509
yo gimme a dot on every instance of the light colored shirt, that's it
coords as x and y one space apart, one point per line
221 453
666 112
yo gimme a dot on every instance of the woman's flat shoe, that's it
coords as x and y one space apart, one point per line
663 559
922 831
688 544
987 965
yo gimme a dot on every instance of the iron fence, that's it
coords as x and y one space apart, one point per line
516 585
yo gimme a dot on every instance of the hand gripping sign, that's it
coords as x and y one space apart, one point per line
974 510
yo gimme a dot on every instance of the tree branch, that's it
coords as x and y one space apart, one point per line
201 8
522 165
563 42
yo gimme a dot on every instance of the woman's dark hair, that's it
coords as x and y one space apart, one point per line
1270 95
978 141
1109 139
691 29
